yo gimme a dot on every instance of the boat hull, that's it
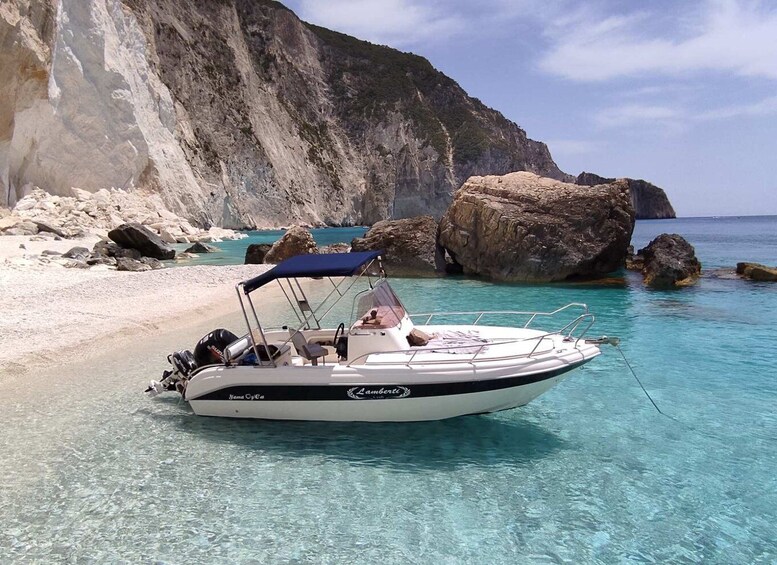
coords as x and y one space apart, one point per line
405 396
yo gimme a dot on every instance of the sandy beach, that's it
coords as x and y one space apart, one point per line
52 314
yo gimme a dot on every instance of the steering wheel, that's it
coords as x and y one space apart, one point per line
339 335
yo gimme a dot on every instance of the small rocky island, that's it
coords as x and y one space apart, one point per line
650 202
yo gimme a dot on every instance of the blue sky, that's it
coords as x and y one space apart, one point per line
683 94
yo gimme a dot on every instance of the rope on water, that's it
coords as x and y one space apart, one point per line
618 347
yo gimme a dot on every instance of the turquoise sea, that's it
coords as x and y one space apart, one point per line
94 472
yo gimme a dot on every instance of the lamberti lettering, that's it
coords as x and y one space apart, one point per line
364 393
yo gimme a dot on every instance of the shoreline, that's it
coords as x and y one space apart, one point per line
54 316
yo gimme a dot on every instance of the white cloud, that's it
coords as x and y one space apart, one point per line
636 114
670 119
765 107
572 147
393 22
731 36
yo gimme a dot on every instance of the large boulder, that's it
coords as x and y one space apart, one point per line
296 241
137 236
670 261
523 227
256 252
409 244
757 272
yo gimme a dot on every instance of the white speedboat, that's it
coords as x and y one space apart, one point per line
386 364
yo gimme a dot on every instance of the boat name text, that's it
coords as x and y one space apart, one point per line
247 396
377 393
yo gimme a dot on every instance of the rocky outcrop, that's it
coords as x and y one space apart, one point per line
670 261
110 249
335 248
97 213
634 261
522 227
235 113
650 202
409 244
135 236
134 265
296 241
201 247
256 252
757 272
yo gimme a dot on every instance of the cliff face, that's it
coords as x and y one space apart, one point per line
237 114
650 202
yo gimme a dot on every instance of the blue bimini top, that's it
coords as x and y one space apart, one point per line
313 265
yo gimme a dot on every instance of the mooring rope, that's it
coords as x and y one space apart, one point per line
634 374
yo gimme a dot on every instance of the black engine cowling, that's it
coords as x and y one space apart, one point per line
210 349
183 362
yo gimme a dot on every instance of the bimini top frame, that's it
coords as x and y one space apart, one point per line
313 265
304 266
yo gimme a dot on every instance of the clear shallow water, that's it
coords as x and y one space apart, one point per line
589 473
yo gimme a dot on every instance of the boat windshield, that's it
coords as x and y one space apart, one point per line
379 308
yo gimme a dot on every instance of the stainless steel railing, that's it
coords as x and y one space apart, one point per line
479 315
584 320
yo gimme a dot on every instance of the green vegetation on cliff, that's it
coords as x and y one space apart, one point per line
373 80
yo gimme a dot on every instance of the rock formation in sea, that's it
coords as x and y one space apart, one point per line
757 272
236 113
650 202
296 241
256 252
410 244
669 262
522 227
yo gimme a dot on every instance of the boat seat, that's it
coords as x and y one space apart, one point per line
236 349
310 351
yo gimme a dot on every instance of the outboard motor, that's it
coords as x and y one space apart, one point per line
183 365
208 351
183 362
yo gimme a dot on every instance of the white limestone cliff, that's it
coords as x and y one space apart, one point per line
236 114
103 120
